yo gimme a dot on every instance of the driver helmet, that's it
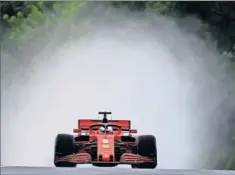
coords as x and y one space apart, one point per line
110 129
102 129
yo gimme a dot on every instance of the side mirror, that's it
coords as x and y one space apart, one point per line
77 130
133 131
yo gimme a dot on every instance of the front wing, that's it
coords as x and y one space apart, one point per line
85 158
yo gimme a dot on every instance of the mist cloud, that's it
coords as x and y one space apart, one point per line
153 70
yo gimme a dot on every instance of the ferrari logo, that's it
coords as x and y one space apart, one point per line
105 141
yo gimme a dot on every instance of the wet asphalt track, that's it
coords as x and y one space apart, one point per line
104 171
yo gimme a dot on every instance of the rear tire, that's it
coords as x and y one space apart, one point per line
146 146
64 145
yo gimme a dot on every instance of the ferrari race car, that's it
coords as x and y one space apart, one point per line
105 143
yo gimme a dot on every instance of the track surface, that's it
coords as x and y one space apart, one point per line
104 171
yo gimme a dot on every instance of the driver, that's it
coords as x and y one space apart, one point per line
102 130
110 129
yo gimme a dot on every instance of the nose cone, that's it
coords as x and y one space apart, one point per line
106 147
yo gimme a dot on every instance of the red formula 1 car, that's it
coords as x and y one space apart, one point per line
105 143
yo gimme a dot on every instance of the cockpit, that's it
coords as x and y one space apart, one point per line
105 128
108 130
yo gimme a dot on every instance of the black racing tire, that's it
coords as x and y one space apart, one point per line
64 145
146 146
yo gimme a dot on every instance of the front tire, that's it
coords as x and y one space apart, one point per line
146 146
64 145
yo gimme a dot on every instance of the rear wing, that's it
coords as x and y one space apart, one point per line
84 124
